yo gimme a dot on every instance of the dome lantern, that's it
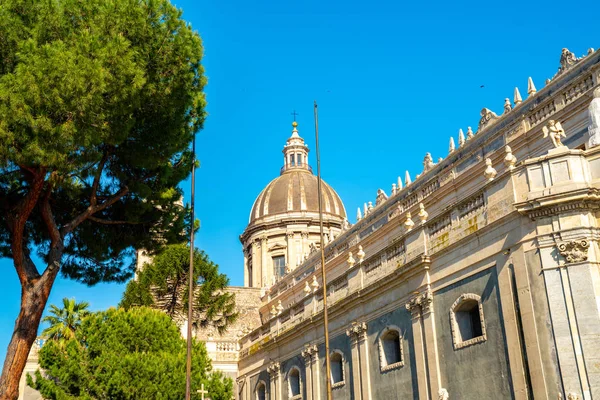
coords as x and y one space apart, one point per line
295 152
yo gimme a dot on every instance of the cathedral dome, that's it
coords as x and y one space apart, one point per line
296 191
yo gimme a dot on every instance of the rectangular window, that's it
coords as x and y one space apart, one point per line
292 160
299 159
279 266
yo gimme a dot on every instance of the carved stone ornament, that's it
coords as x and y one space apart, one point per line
574 251
421 303
307 289
351 260
381 197
487 116
408 224
422 213
507 106
357 330
489 172
573 396
443 394
567 60
360 254
509 159
555 130
315 284
470 134
594 118
273 370
427 162
309 352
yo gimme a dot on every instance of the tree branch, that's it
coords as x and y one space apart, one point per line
68 228
93 198
48 218
17 217
109 222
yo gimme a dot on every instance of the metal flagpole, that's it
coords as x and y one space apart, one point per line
323 274
188 371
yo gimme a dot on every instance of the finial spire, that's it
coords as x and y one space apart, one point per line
295 129
517 100
461 138
469 133
358 214
399 183
451 148
407 180
531 90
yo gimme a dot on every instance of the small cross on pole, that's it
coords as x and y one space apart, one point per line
202 391
295 114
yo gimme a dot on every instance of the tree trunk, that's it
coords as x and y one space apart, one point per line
33 301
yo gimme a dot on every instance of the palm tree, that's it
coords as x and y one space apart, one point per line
65 321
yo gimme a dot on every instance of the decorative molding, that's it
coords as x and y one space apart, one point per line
443 394
487 117
421 304
456 338
574 251
357 331
309 353
274 369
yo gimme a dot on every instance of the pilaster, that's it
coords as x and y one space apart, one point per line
414 306
275 385
431 352
290 250
360 361
308 354
264 262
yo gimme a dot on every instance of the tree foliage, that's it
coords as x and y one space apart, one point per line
65 321
163 284
99 101
125 354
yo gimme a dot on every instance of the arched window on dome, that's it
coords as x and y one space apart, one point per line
292 160
299 158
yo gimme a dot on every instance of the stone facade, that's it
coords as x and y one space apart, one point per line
477 280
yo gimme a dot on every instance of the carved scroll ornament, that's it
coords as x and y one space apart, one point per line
574 251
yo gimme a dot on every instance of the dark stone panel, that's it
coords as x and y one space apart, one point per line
543 324
285 368
400 382
341 343
479 371
254 380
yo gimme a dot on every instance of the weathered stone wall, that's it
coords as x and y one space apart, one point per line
478 371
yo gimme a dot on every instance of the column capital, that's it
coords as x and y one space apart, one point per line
574 251
304 234
309 352
421 303
290 234
357 331
273 370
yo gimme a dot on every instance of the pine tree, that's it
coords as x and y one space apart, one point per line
162 284
123 354
99 101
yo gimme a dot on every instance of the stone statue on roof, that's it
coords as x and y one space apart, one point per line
555 130
594 117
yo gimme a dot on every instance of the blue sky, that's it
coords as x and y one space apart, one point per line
393 80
